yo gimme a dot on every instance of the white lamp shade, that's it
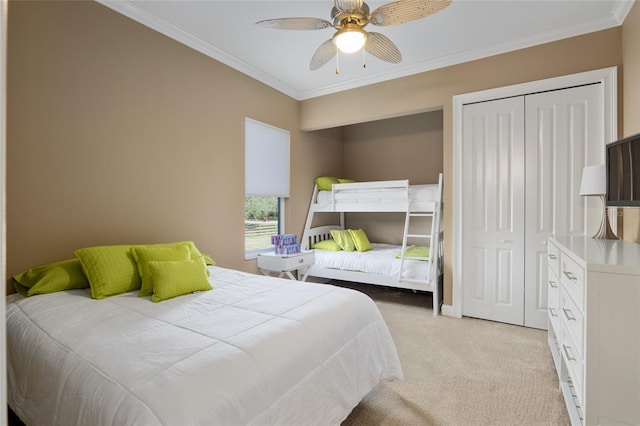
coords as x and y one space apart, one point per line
594 180
350 39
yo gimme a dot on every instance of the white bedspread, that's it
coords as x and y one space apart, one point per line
254 350
381 260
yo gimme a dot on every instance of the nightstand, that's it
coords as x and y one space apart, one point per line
285 264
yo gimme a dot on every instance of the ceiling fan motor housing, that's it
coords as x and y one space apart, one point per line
359 16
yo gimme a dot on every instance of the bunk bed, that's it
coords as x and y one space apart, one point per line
387 265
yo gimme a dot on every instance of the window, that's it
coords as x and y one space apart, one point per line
266 185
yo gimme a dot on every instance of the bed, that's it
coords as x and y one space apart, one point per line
388 265
254 350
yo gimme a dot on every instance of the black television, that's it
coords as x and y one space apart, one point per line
623 172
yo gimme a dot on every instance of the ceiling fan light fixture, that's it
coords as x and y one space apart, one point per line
350 39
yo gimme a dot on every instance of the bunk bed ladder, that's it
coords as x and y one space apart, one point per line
406 235
434 243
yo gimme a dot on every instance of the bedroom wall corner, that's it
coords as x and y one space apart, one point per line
631 101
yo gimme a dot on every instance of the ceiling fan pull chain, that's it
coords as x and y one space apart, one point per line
364 57
337 62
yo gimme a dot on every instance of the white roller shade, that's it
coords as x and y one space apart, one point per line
266 160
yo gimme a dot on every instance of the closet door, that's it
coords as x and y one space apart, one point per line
494 210
564 133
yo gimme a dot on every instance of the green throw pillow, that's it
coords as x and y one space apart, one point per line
416 251
360 239
325 183
145 254
175 278
49 278
110 270
329 245
344 240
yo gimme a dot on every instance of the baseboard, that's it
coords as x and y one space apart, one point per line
448 311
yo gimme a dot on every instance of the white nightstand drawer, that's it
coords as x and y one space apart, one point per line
285 262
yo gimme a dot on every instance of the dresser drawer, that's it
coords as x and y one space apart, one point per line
553 258
572 279
572 323
575 372
554 308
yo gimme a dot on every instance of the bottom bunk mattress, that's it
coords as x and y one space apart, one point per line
254 350
381 260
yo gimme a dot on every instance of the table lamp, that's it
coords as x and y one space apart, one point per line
594 182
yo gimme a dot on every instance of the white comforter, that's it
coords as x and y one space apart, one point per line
254 350
381 260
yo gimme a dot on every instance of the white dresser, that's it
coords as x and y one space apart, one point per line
594 328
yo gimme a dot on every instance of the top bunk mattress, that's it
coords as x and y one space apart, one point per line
377 196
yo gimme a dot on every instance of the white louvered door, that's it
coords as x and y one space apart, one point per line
522 164
493 218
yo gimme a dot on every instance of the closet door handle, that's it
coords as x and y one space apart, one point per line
553 284
570 275
553 312
553 257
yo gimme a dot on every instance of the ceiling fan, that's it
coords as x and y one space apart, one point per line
349 17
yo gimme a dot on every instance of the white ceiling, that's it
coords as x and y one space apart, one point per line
466 30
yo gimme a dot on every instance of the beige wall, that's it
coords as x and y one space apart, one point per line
435 89
118 134
631 101
408 147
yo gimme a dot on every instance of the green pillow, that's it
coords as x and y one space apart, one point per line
49 278
175 278
344 240
416 251
324 183
145 254
208 260
329 245
110 270
360 239
340 180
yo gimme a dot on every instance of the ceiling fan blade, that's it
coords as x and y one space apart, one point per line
399 12
348 5
294 23
325 52
382 48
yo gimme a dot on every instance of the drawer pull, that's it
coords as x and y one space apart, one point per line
553 313
553 284
570 275
300 260
566 352
553 257
568 314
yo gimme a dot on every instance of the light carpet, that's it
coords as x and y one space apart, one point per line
460 371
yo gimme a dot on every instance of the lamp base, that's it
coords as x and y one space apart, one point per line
605 232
